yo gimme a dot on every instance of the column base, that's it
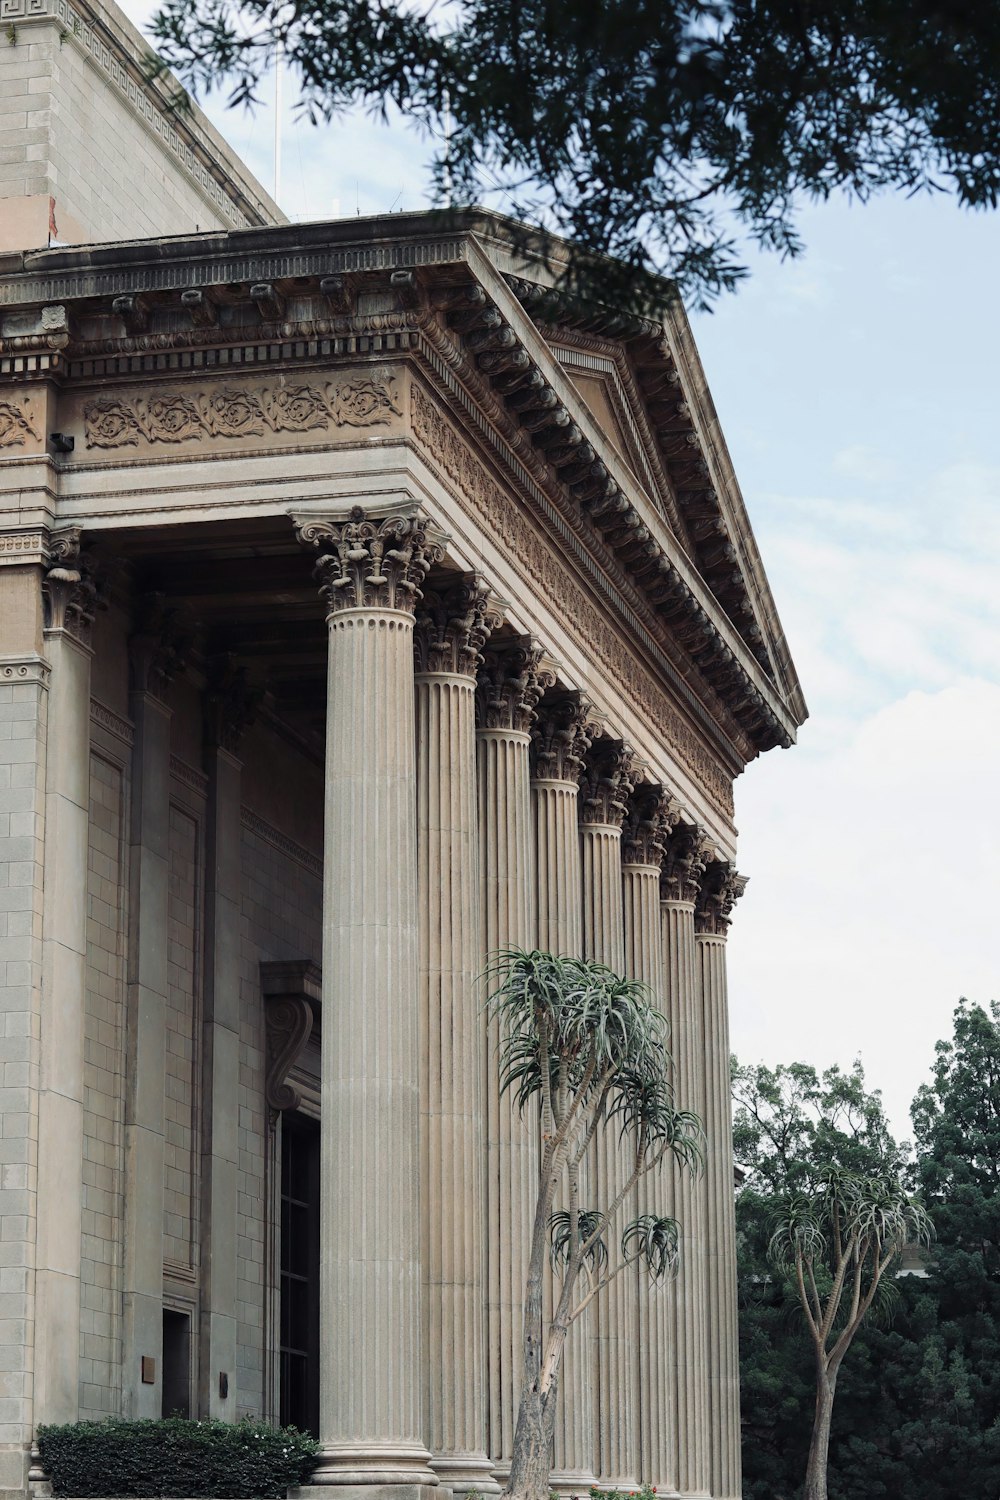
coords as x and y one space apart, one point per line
336 1490
570 1482
465 1474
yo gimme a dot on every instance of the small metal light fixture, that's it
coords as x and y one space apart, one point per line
62 442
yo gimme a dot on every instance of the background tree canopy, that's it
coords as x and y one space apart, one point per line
918 1405
668 133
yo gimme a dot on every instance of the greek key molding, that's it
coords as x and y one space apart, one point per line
16 426
120 422
255 824
515 534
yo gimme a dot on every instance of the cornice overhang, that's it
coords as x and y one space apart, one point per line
299 290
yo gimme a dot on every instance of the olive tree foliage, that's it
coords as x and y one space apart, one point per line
583 1051
830 1181
667 133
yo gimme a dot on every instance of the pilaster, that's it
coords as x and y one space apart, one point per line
157 651
561 741
720 888
69 604
25 675
683 866
228 710
371 1408
511 680
452 626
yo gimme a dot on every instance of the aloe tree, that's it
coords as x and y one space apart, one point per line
839 1241
588 1050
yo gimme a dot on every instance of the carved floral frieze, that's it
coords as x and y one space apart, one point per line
231 412
520 539
16 426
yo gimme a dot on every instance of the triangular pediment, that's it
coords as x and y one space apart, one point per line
649 399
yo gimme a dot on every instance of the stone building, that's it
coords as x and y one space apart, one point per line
365 606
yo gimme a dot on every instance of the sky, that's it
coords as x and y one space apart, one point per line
859 393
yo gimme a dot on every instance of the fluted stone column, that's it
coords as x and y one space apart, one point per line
371 1408
69 610
511 680
683 865
604 792
720 888
650 1357
452 627
560 744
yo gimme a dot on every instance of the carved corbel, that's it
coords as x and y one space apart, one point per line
69 587
231 702
160 645
133 309
203 309
268 300
291 989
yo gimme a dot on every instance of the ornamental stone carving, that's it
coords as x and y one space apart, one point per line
160 645
453 625
370 564
69 588
513 676
290 989
231 703
232 412
684 860
606 782
16 426
561 739
721 888
651 816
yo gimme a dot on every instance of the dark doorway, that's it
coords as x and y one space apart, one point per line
176 1399
300 1273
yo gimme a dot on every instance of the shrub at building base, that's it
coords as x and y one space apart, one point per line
176 1457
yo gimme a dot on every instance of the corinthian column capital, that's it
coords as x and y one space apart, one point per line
513 676
453 625
371 564
561 739
721 888
652 814
69 587
684 861
606 782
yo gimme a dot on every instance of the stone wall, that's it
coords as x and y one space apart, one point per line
90 149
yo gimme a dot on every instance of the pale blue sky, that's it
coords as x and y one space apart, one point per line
858 390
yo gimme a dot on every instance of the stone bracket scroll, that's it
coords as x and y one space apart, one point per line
292 991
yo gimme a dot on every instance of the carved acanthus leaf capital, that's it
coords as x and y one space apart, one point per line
231 702
69 587
513 676
371 564
160 645
606 782
453 625
561 738
652 815
721 888
686 854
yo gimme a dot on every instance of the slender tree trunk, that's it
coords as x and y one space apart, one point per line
531 1460
819 1447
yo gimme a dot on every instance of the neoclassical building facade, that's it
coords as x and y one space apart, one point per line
367 606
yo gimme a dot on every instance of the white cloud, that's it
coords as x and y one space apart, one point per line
875 883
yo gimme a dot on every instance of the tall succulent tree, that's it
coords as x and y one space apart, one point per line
584 1051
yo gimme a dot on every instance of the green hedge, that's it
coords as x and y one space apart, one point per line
176 1457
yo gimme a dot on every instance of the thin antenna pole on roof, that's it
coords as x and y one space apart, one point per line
279 53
